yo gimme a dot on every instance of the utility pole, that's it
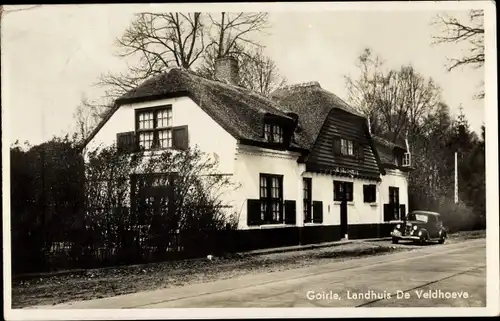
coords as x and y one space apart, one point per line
456 177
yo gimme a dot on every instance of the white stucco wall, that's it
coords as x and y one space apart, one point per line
394 178
250 162
358 212
203 131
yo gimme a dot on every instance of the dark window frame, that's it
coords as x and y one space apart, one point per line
307 199
339 190
155 130
267 199
369 193
394 200
357 148
274 133
348 143
398 158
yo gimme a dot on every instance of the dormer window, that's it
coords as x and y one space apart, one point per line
273 133
407 159
346 147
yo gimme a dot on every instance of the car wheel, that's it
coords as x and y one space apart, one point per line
442 240
422 240
395 240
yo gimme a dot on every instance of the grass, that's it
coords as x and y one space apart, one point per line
106 282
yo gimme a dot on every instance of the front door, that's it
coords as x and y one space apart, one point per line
343 217
343 194
394 203
152 198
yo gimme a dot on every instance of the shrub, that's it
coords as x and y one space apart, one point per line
455 216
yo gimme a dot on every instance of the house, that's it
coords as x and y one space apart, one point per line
309 169
395 159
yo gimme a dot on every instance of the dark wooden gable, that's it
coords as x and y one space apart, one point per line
324 158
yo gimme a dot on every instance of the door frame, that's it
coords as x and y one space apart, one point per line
344 213
394 205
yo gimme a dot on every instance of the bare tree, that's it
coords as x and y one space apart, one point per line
87 116
230 31
163 40
230 34
395 101
259 73
470 33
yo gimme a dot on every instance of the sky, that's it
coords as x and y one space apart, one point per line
52 56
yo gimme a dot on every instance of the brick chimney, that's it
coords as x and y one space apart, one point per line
226 69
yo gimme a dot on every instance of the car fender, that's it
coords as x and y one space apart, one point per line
424 232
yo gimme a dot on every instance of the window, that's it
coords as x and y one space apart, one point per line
394 202
273 133
154 127
398 159
271 196
393 195
151 195
346 147
407 159
342 190
370 193
307 189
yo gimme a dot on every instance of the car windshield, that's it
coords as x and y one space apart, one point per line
418 217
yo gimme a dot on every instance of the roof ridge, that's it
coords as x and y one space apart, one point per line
301 85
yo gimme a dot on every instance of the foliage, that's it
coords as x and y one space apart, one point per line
87 209
402 101
456 216
46 195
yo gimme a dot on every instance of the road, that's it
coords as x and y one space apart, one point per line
434 276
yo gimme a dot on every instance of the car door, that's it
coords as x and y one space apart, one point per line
432 227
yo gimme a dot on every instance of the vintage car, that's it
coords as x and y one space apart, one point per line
420 226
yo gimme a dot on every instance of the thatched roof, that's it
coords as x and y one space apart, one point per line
238 110
386 147
312 104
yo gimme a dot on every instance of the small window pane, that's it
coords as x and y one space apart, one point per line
164 118
146 140
263 210
267 132
165 138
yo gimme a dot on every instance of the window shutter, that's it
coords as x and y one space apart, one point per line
361 152
318 212
336 146
374 193
366 193
290 212
349 191
388 214
180 138
253 212
125 141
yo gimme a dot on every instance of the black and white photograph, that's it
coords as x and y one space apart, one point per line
234 160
